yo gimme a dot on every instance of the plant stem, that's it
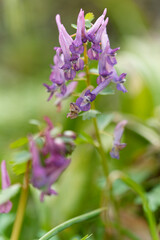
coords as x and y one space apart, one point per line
86 64
100 147
21 206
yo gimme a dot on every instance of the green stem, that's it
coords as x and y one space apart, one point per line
22 206
86 64
101 151
100 147
139 190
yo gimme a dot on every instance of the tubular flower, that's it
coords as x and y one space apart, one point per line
5 207
117 146
68 61
106 64
49 161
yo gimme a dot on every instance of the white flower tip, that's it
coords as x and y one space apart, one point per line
104 12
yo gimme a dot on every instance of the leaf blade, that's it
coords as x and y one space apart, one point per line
70 222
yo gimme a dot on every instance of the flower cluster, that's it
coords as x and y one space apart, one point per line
5 207
68 61
50 160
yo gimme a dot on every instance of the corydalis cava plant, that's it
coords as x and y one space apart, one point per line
69 60
51 158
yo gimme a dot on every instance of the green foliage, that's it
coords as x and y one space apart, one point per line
107 91
89 114
104 120
89 16
153 198
19 161
88 19
74 26
8 193
70 222
18 143
35 122
84 138
5 221
86 237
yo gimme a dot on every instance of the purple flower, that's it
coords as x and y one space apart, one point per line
84 101
71 49
117 146
91 32
49 161
57 74
52 89
77 45
39 177
64 94
5 207
107 60
95 50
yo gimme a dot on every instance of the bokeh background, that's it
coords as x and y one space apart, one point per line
28 33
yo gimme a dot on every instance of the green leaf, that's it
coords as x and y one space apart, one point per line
107 91
89 16
70 222
19 161
104 120
86 237
74 26
144 131
18 143
154 198
119 187
5 221
89 114
87 23
84 138
36 123
8 193
139 190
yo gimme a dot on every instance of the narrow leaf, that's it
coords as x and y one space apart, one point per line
74 26
70 222
86 237
8 193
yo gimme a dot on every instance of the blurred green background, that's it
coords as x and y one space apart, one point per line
28 33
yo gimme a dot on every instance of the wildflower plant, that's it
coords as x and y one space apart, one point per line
48 152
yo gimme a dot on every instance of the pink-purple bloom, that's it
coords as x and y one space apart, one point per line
117 145
68 61
49 161
5 207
